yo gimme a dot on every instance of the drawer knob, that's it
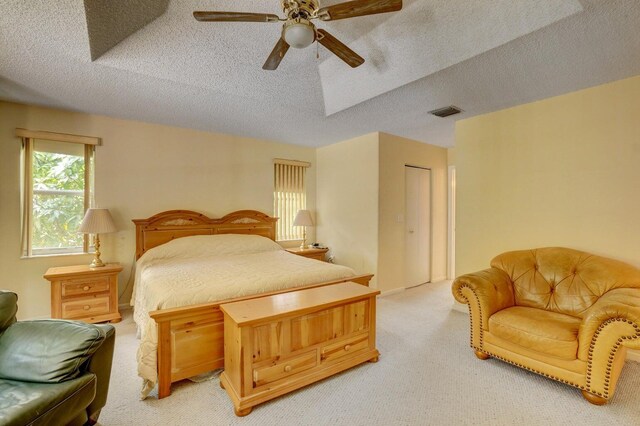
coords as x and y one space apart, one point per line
287 368
86 288
347 347
87 307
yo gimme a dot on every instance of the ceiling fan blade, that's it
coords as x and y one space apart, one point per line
276 55
351 9
340 49
234 17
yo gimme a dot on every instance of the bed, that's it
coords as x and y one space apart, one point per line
189 264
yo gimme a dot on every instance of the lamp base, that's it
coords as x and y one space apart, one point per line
97 263
303 246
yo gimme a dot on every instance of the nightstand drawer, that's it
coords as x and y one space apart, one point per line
85 286
284 368
344 348
80 308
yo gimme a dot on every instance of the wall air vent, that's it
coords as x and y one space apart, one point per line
446 111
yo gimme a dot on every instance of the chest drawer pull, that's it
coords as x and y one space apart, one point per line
345 348
285 368
86 288
87 307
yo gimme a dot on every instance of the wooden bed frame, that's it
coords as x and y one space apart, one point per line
191 338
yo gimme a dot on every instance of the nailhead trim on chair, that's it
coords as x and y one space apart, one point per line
612 353
589 359
533 370
462 296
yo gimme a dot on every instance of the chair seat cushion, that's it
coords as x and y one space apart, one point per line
27 403
548 332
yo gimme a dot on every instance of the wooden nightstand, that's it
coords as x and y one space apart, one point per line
311 253
84 293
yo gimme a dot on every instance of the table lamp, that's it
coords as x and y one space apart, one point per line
97 221
303 218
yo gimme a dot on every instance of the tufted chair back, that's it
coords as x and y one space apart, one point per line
563 280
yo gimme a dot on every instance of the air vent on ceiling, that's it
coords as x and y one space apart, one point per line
446 111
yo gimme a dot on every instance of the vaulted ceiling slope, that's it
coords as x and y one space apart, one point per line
478 55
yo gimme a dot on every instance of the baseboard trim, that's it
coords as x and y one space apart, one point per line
438 279
632 354
390 292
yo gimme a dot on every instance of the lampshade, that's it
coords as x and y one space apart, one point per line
97 221
303 218
299 35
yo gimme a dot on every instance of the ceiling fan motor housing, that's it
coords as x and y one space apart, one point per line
300 8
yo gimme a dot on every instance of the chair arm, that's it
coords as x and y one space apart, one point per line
617 313
486 292
100 365
47 351
611 322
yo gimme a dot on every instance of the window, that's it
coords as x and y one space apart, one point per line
56 191
289 196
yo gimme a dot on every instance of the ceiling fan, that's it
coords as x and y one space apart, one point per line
298 31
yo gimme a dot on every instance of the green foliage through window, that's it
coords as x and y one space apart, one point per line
58 200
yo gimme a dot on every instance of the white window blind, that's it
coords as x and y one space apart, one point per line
289 196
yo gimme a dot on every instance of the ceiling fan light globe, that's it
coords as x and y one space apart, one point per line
299 35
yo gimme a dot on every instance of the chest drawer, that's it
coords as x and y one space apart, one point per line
344 348
78 287
91 306
284 368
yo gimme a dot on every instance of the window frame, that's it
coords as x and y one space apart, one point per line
289 177
27 192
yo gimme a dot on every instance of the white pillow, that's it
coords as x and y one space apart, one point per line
211 245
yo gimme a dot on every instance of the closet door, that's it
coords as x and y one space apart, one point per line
417 226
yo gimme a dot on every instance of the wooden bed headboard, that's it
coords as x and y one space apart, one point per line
166 226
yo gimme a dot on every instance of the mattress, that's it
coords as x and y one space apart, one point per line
211 268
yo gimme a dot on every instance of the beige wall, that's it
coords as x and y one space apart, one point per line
559 172
141 169
361 192
395 153
347 200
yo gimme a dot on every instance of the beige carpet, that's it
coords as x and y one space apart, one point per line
427 375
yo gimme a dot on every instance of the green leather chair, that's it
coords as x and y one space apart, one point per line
52 372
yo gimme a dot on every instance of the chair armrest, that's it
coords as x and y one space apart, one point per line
492 287
47 351
100 365
611 322
616 314
486 292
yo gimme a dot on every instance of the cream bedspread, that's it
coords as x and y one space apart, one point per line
203 269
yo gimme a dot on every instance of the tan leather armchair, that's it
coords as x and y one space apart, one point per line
562 313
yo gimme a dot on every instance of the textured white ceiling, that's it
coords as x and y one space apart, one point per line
480 55
428 37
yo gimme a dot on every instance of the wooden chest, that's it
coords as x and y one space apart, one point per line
276 344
